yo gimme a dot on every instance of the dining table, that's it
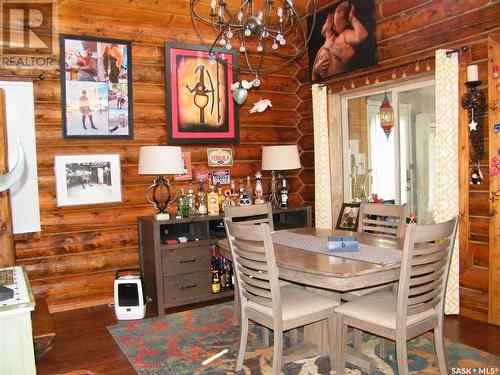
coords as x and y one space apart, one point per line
329 274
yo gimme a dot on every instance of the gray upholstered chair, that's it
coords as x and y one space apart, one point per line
418 304
263 300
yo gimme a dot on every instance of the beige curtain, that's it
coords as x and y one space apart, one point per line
447 204
322 188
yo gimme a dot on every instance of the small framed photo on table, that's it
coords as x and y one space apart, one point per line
348 217
96 87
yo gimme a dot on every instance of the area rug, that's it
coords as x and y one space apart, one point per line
178 343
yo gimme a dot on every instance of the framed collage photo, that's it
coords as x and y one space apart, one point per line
96 87
348 217
343 39
199 101
88 179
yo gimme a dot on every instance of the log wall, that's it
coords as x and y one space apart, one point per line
74 259
409 31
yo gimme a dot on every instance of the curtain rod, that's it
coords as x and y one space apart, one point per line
31 77
459 51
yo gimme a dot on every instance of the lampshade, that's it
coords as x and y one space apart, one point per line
160 160
280 158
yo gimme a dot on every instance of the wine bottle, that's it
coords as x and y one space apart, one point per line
214 268
202 199
182 207
284 194
212 202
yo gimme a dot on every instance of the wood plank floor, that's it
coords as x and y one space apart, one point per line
82 342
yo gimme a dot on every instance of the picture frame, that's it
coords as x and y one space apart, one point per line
329 52
96 87
87 179
199 101
186 165
348 217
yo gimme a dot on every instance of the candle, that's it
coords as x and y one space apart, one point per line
472 73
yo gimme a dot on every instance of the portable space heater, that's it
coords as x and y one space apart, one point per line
130 299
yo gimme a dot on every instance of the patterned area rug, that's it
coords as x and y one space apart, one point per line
177 345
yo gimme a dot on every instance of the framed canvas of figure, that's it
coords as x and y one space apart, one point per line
199 102
96 87
87 179
343 39
348 217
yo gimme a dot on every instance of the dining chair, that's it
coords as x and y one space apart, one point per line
263 300
418 304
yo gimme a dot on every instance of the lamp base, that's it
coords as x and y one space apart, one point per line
163 216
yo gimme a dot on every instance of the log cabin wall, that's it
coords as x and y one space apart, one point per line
409 31
74 259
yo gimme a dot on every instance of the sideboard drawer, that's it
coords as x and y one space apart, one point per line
186 287
185 260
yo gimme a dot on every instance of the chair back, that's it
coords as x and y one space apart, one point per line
255 265
382 219
253 214
424 267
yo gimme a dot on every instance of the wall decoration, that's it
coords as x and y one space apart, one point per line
88 179
220 157
199 101
260 106
96 87
348 217
221 176
343 39
187 173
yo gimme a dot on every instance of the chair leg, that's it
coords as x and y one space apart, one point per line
237 306
440 352
265 336
243 342
331 339
340 343
357 339
383 347
402 355
278 351
292 336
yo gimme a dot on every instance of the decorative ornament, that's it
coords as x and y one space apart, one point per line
393 75
259 191
343 87
427 66
417 67
476 176
496 128
376 80
260 106
472 124
239 93
495 197
495 166
353 85
474 101
386 116
367 81
495 71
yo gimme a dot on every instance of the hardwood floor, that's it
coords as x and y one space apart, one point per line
82 342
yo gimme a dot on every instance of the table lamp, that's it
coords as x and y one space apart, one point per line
279 158
160 160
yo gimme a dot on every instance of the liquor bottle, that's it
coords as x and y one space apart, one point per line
220 197
191 200
202 199
182 207
212 202
249 190
214 269
284 194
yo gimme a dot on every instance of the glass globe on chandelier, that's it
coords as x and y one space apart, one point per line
257 28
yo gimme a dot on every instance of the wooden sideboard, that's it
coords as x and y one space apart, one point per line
179 273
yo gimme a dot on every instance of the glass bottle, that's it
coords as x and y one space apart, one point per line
202 199
214 269
284 194
182 207
212 201
220 196
191 200
249 190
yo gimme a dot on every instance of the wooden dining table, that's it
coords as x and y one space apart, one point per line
331 275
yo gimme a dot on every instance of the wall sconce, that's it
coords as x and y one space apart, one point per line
160 160
474 102
386 116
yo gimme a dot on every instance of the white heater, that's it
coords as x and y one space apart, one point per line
130 300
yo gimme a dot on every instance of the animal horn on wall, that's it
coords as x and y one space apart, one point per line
10 178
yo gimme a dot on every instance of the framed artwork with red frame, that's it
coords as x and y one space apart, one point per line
199 102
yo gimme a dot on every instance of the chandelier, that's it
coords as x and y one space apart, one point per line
262 30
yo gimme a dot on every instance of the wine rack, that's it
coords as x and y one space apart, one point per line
177 274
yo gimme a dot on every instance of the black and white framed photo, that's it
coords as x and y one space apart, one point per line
348 217
96 87
88 179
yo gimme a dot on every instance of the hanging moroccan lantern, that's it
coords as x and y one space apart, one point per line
386 116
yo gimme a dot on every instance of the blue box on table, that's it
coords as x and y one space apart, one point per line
342 244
